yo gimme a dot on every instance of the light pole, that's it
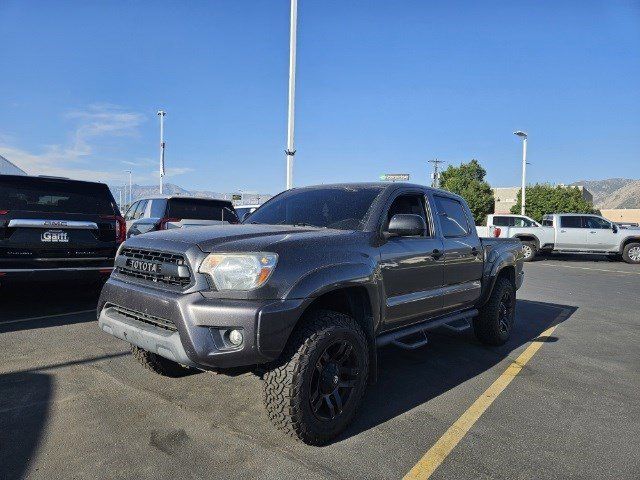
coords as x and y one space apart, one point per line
130 188
161 114
523 135
290 152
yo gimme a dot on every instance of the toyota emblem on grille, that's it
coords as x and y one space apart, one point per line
141 265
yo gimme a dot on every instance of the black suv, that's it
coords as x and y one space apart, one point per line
56 227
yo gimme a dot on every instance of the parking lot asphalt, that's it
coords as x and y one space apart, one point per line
74 404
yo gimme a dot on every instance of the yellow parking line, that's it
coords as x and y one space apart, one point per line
447 442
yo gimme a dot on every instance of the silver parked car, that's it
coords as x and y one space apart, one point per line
166 212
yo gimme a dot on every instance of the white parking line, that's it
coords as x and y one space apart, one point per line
586 268
31 319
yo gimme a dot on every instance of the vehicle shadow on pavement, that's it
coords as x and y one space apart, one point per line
409 378
24 410
42 305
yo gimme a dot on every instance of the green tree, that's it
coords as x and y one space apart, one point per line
544 198
468 181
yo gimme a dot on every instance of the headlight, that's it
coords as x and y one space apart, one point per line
239 271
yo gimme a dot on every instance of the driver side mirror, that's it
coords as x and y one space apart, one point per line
406 225
614 228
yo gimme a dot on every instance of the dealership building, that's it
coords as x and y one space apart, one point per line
8 168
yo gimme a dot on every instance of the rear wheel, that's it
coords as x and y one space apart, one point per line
493 325
529 251
315 389
157 364
631 253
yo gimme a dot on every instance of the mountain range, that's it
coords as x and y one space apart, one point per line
142 191
613 192
608 193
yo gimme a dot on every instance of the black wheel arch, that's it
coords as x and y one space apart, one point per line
529 238
627 241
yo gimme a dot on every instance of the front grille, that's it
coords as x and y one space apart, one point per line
154 256
144 318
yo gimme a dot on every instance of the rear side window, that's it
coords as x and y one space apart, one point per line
501 221
571 222
201 209
51 195
453 218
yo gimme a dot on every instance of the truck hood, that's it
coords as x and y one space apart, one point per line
235 238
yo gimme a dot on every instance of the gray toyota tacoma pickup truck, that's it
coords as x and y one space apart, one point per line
307 291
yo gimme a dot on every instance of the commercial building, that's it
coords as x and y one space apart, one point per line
507 197
8 168
628 215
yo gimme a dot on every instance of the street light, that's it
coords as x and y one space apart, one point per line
130 188
161 114
523 135
290 151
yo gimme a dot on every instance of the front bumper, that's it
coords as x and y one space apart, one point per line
196 340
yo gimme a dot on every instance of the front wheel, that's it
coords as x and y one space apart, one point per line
160 365
493 325
631 253
315 389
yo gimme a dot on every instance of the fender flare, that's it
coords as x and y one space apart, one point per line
629 239
504 260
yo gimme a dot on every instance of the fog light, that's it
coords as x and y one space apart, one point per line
235 337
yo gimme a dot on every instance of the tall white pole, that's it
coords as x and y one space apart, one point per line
524 174
290 152
125 189
130 189
161 114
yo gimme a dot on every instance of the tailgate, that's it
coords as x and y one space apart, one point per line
27 241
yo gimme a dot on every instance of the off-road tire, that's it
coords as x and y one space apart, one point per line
627 253
157 364
287 382
487 326
529 251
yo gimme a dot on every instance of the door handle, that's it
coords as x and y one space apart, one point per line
436 254
592 232
563 231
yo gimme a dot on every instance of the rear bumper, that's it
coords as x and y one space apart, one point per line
200 323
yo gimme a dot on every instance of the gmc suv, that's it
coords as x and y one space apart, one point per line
52 228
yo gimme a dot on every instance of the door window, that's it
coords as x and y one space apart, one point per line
142 206
596 223
453 218
131 211
409 204
571 222
522 222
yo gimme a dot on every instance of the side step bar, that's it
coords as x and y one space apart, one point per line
456 322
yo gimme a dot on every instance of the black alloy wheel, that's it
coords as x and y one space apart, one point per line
334 380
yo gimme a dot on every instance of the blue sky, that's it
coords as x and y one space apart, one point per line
382 87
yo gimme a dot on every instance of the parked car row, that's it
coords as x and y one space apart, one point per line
56 228
567 233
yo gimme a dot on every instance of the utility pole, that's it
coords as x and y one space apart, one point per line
435 176
524 137
130 188
161 114
290 151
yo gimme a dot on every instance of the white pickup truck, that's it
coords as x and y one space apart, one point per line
566 233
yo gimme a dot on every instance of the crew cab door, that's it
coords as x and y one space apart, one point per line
570 234
463 262
412 267
601 235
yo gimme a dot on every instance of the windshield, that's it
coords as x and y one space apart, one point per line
343 208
